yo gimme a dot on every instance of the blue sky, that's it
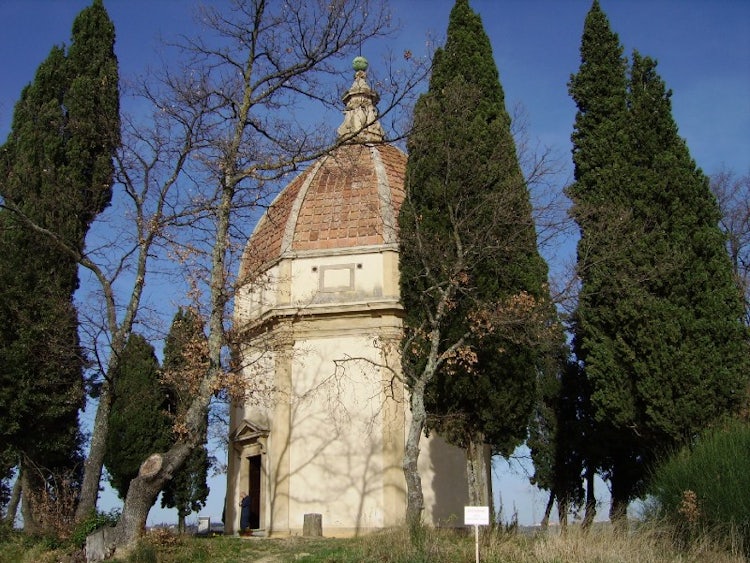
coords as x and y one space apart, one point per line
703 49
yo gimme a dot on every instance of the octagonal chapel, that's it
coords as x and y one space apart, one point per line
324 430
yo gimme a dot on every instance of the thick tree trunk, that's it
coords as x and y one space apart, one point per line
618 513
152 476
157 470
590 513
414 495
480 489
92 467
547 510
141 497
15 497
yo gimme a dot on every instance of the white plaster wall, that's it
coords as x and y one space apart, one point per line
336 457
332 461
258 377
256 298
337 278
258 370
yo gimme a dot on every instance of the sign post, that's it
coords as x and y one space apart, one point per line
476 516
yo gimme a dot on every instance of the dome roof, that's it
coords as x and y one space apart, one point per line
346 199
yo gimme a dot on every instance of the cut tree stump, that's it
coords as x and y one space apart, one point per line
313 525
151 466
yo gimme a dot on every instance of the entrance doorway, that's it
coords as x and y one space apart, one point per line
254 491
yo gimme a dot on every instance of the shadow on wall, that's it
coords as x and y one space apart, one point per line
334 445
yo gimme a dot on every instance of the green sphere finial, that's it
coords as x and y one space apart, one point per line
359 63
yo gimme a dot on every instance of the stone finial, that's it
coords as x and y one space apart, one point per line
361 114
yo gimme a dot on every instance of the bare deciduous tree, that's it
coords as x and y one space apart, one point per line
733 195
229 124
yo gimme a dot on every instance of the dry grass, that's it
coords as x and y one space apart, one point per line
644 544
649 543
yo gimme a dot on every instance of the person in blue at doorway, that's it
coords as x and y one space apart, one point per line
245 505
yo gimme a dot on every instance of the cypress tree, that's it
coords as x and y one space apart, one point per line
557 440
694 360
658 326
188 490
41 364
139 424
55 172
468 246
185 358
599 90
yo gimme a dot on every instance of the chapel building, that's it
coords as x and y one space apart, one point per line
324 429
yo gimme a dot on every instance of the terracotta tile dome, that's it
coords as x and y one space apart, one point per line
348 198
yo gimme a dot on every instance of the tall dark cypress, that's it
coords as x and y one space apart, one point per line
658 326
694 358
599 90
184 358
556 440
55 173
467 225
139 422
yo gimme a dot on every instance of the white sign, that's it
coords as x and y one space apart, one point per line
204 525
476 515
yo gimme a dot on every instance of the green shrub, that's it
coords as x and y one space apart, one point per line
706 488
89 525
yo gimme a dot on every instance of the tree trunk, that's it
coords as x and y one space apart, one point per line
618 510
414 495
563 504
152 476
548 509
618 513
477 472
92 466
30 524
15 497
157 470
590 513
180 523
